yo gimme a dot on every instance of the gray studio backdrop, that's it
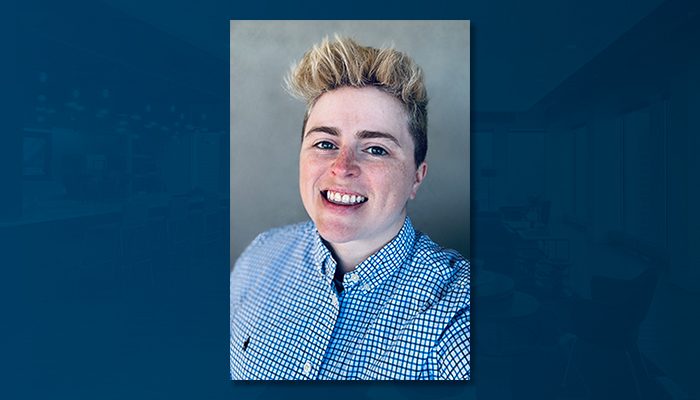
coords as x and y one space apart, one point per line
266 122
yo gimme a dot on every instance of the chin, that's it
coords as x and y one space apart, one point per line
336 233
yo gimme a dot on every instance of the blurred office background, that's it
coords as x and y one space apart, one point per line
584 219
114 216
585 227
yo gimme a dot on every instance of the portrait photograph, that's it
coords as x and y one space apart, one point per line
350 200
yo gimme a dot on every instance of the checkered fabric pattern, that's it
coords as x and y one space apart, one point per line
403 313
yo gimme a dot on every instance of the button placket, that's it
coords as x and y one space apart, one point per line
353 278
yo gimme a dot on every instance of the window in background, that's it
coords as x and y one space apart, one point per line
36 154
581 165
644 205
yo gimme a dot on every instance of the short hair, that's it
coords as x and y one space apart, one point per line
342 62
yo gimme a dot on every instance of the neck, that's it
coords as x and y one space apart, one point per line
349 255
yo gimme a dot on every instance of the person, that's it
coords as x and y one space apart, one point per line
356 292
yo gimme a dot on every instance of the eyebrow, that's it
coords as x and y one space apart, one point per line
364 134
377 135
323 129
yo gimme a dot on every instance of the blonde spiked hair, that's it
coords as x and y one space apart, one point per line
343 62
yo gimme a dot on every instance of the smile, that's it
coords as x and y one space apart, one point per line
343 198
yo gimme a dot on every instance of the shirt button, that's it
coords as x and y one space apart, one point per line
307 368
334 300
353 278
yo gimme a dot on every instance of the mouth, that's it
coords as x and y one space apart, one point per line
343 199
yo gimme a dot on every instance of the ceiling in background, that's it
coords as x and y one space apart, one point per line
521 50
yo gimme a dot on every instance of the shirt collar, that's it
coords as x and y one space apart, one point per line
376 267
323 260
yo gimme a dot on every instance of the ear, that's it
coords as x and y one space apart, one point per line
421 171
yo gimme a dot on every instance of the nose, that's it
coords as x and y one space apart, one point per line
345 164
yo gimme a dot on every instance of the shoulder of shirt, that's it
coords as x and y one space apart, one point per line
256 263
283 234
443 264
276 241
436 275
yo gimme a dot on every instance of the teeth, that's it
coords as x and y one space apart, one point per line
344 198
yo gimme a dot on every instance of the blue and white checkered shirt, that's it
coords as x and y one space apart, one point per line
403 313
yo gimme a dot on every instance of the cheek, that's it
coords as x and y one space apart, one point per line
394 180
309 172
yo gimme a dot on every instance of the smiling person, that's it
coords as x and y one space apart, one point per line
356 292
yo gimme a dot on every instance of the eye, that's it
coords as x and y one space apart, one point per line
324 145
377 151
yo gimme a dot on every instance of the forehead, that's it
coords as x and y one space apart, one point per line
353 109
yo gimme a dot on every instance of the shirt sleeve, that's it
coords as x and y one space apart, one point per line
240 273
453 349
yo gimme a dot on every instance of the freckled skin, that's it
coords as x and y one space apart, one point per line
358 165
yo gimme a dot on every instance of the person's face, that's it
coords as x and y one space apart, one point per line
356 166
